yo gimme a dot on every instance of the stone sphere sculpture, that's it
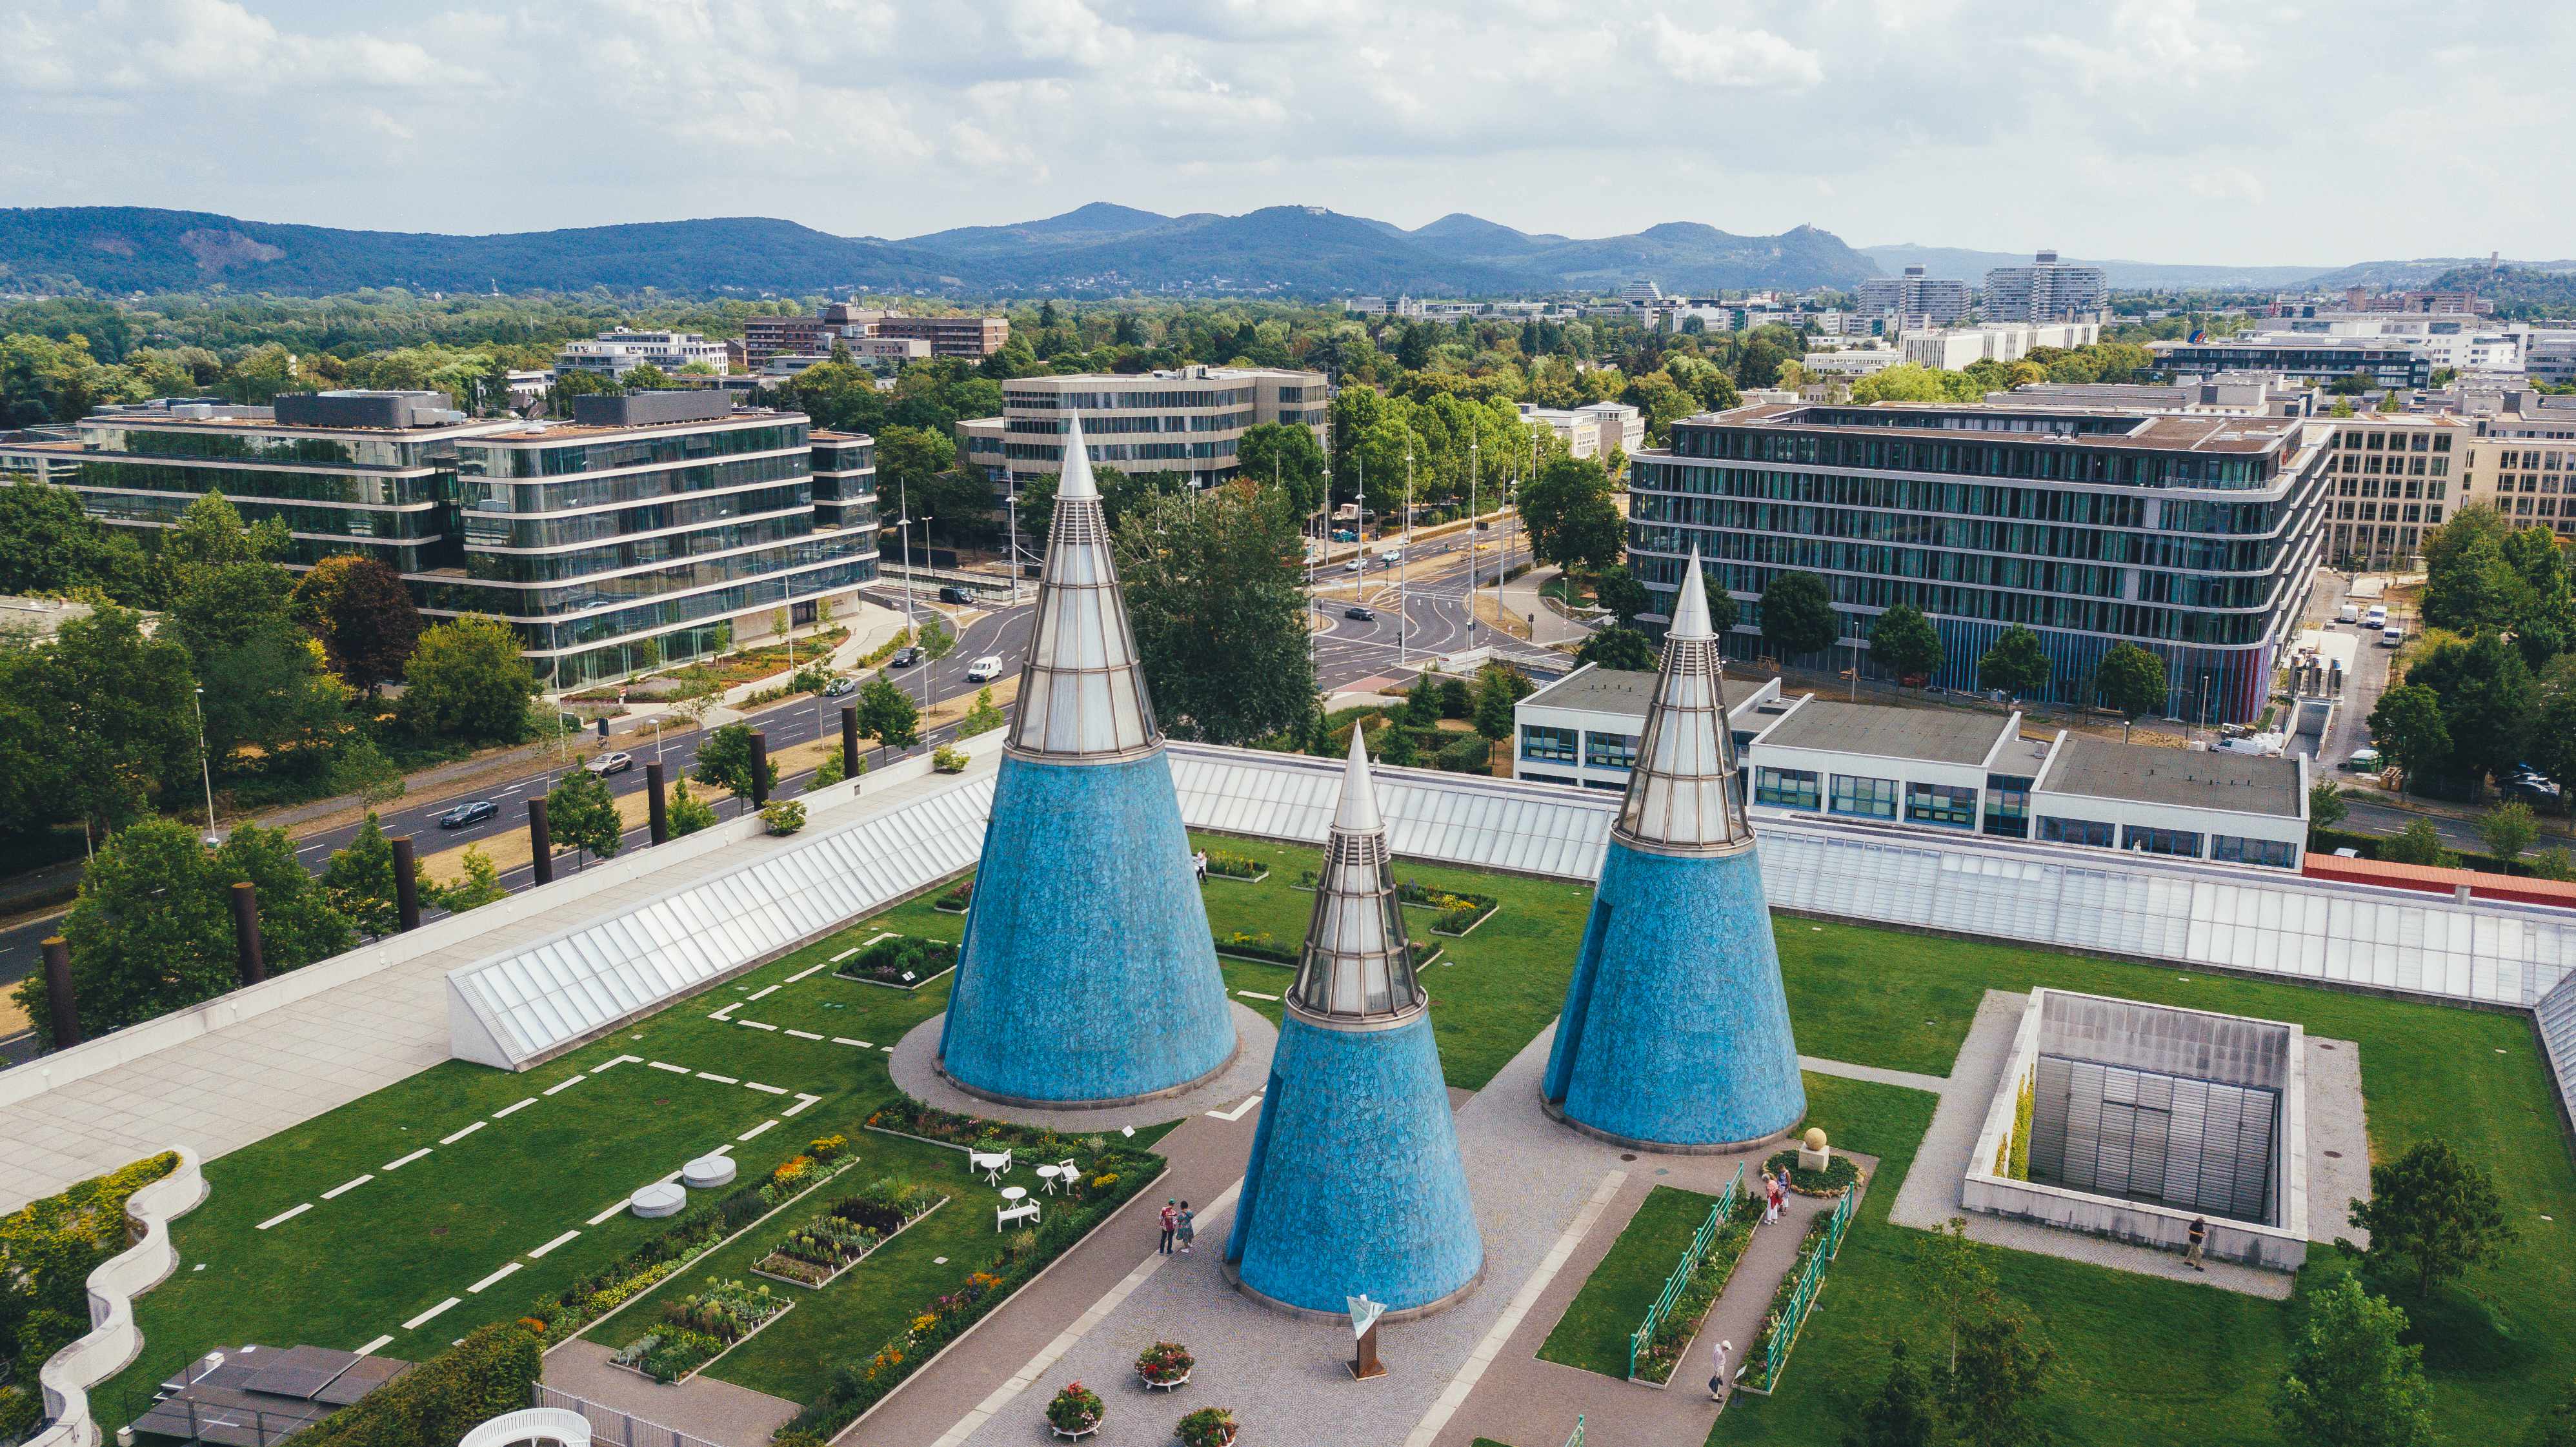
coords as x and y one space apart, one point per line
1815 1138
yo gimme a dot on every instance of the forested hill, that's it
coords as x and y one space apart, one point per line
1294 251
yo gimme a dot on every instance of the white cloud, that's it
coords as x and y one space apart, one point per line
2165 128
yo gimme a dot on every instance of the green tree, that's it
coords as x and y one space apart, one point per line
1798 616
1901 1415
2326 808
983 718
2508 829
724 760
1498 687
50 545
828 772
581 812
115 718
888 715
2554 863
2475 589
1723 611
688 812
2132 681
2557 1426
480 886
2489 702
364 616
1907 643
1992 1391
2408 730
2016 664
467 679
2433 1208
1620 594
359 881
2417 843
1571 519
1622 648
935 638
1397 747
1285 455
1955 1275
1218 607
2352 1381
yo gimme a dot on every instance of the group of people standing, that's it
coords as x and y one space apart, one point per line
1180 1225
1775 1199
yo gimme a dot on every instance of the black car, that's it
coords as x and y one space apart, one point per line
464 814
904 657
951 593
1365 615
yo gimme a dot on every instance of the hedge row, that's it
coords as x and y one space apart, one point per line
438 1401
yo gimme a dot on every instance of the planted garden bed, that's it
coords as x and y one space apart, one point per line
1707 1282
1459 913
1243 869
1265 949
955 898
1840 1174
698 1329
901 962
816 1254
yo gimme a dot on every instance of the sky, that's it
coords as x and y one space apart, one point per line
2237 131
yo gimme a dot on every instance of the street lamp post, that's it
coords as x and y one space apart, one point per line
1404 573
1012 502
206 768
1475 477
926 660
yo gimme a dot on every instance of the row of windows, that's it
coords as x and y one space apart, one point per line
424 525
2369 487
144 441
487 495
2061 461
1126 401
2175 843
1149 422
2401 466
369 489
1127 451
477 459
639 589
634 552
2372 512
1914 495
2407 440
500 530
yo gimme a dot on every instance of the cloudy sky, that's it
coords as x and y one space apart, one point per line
2234 131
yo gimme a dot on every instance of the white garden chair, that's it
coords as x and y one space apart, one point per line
994 1165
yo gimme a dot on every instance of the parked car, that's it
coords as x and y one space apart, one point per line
951 593
904 657
1354 565
840 686
616 763
2392 637
2530 789
2347 614
1365 615
984 669
464 814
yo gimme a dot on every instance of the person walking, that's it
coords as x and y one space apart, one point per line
1171 1223
1198 861
1778 1200
1188 1227
2199 1239
1717 1371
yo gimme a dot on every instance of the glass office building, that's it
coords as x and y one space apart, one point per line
2193 537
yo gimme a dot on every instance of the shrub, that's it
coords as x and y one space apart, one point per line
1076 1408
440 1400
47 1250
825 1148
1839 1175
1164 1361
784 817
1207 1427
1262 946
904 960
947 760
1470 755
1234 866
957 896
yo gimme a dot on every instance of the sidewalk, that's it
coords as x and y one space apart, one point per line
1521 595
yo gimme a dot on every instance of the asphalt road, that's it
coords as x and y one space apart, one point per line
1354 650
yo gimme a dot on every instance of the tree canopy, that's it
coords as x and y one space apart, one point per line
1798 616
1216 599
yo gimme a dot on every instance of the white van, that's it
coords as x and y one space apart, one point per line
2347 614
2377 617
2392 637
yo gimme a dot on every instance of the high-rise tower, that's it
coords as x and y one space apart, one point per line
1355 1186
1087 976
1675 1034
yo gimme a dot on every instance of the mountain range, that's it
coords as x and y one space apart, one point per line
1095 250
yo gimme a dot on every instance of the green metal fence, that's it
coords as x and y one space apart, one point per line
1679 1281
1793 1313
1577 1439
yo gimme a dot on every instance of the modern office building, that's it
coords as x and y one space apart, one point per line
1188 419
1923 301
2193 537
1939 771
2047 290
1954 348
618 352
770 336
2239 394
2385 361
2530 479
845 483
2393 477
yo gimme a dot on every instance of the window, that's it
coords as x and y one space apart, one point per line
2141 839
2270 853
1785 788
1553 745
2092 833
1864 798
1609 751
2008 805
1941 804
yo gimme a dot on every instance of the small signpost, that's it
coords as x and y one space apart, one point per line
1364 1315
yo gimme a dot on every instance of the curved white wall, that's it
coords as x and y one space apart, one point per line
113 1340
531 1424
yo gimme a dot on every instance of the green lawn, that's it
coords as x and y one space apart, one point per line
1593 1332
2145 1360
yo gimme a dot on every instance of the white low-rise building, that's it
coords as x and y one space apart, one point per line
618 352
1591 430
1952 348
1850 361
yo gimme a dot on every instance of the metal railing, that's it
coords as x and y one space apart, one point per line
610 1427
1577 1439
1679 1282
1793 1313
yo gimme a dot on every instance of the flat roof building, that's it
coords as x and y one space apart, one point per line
617 352
1187 419
2192 536
2047 290
2385 361
2393 478
1920 300
973 337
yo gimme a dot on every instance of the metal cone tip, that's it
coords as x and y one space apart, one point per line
1358 814
1075 481
1690 609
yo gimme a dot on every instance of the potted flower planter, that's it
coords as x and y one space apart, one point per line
1075 1413
1164 1367
1208 1427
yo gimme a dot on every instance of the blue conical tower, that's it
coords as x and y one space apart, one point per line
1087 976
1675 1035
1354 1186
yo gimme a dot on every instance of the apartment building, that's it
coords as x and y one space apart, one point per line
1850 362
973 338
1923 301
2454 341
1188 419
2393 478
618 352
2193 537
2047 290
1595 430
2523 460
1951 349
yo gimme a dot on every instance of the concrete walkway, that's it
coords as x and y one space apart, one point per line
915 1068
1521 596
720 1412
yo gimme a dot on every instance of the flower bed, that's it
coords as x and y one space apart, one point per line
1208 1427
1265 947
692 1234
1839 1175
1707 1283
1459 913
1165 1365
851 1230
698 1329
955 898
902 961
1222 865
1793 1299
1117 1173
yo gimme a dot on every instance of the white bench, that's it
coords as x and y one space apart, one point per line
1005 1215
